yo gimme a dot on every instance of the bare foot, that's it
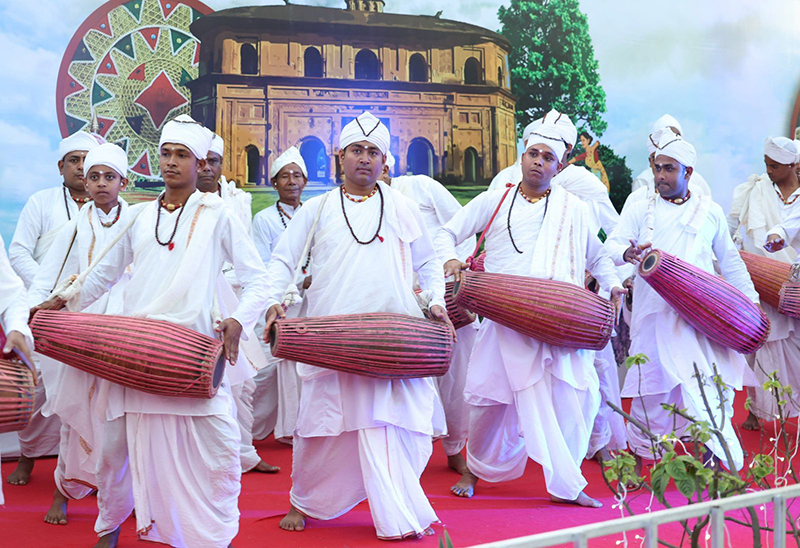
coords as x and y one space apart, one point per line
582 500
751 423
265 468
603 455
22 474
428 532
293 521
110 540
57 514
466 485
458 463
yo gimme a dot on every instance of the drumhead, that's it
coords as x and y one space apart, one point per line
273 337
219 371
650 262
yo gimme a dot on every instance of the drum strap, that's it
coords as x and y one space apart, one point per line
471 258
64 262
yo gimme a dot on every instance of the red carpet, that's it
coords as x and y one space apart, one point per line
498 511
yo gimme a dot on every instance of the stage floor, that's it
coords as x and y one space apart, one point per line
498 511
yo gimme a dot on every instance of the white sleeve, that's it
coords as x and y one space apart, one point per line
599 263
26 235
106 273
262 237
285 256
469 220
426 263
47 275
14 317
626 230
607 215
730 261
788 229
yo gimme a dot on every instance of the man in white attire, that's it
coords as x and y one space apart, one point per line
359 437
758 205
528 398
43 216
276 406
179 455
694 229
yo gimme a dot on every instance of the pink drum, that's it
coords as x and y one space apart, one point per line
458 315
477 265
381 345
789 303
16 396
553 312
153 356
707 302
768 276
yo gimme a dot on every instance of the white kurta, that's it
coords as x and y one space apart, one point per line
77 397
13 308
645 191
381 428
646 179
696 232
531 399
580 182
184 453
756 208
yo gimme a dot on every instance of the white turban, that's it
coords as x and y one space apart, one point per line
781 149
568 131
389 161
674 146
365 128
183 130
530 128
107 154
666 121
290 156
548 134
217 145
80 140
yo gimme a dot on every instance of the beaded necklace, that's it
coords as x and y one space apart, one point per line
545 197
116 218
679 201
76 200
282 215
342 194
787 201
360 198
169 243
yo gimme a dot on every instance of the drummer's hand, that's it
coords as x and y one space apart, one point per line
54 303
275 311
617 294
628 283
16 341
634 253
440 314
774 243
453 267
231 333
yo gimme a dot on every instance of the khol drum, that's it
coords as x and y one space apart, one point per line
789 303
16 395
382 345
458 314
153 356
707 302
768 276
556 313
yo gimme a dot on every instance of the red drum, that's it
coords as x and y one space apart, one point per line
153 356
458 315
710 304
477 264
16 396
385 346
556 313
790 300
768 276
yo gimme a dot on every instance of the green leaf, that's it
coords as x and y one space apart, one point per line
686 486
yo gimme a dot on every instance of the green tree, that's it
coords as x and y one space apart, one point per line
552 62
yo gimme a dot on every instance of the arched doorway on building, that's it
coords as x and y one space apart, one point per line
417 68
316 158
248 59
472 71
253 164
421 160
472 168
367 65
312 62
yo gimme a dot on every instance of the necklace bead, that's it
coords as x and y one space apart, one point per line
169 243
347 221
545 196
787 201
360 199
679 201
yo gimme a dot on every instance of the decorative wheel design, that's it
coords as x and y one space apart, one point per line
128 65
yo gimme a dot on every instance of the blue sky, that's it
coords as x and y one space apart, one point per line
729 74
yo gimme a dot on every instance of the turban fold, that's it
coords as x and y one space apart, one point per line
217 145
365 128
390 160
290 156
107 154
80 140
548 134
183 130
666 121
781 149
673 145
568 131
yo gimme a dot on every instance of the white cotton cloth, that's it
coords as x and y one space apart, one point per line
243 397
44 214
381 464
217 145
548 134
80 140
666 121
646 180
184 130
564 126
290 156
265 396
781 149
365 127
609 426
115 484
107 154
579 181
674 146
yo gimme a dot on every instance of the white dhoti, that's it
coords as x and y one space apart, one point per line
71 479
114 482
243 395
42 436
451 390
381 464
288 400
265 402
609 426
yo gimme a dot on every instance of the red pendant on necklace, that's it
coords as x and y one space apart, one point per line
380 238
171 246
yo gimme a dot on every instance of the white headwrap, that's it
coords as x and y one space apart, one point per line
548 134
666 121
365 128
389 160
107 154
563 125
530 128
674 146
290 156
80 140
781 149
217 145
183 130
